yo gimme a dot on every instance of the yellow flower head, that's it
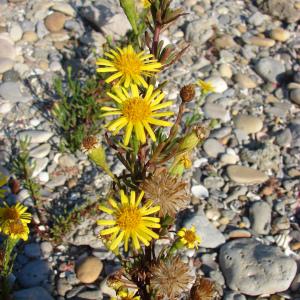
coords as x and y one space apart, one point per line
146 3
14 220
189 237
126 295
128 66
206 87
137 112
130 221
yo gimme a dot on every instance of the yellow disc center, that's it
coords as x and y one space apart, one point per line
129 64
190 236
129 218
136 109
11 214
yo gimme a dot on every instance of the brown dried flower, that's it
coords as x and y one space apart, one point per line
89 143
170 278
187 93
167 191
203 289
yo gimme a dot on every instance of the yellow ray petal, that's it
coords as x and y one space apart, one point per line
139 199
113 96
105 209
106 222
110 230
128 133
149 130
140 132
117 241
106 69
149 92
124 198
158 122
162 105
113 77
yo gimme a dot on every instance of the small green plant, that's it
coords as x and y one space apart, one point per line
77 111
65 222
23 169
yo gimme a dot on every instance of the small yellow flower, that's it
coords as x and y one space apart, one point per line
206 87
128 66
130 221
146 3
126 295
189 237
14 220
137 112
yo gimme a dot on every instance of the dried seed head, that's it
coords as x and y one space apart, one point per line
89 143
187 93
170 278
167 191
204 289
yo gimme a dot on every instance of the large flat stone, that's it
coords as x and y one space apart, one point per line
246 175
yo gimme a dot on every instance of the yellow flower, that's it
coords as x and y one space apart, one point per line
14 220
189 237
206 87
146 3
128 66
130 221
126 295
137 112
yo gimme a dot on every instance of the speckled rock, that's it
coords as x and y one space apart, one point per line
253 269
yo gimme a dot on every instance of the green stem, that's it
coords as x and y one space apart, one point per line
7 266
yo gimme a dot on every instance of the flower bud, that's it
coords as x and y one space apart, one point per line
130 12
187 93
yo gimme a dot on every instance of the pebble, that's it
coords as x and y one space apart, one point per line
14 92
279 34
57 181
44 177
34 293
33 273
40 165
248 124
216 111
295 96
270 69
46 249
89 269
213 148
260 216
211 237
284 137
261 41
15 32
40 151
245 175
218 83
55 22
225 42
30 37
67 161
64 8
199 191
234 296
225 70
5 64
7 49
253 269
244 81
35 136
90 295
32 250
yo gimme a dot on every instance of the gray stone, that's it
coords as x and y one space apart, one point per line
64 8
245 175
234 296
295 130
7 49
249 124
67 161
284 137
46 249
117 25
253 269
35 293
270 69
40 165
295 96
216 111
260 216
40 151
297 77
33 273
11 75
57 181
35 136
90 295
213 148
63 286
219 84
14 92
283 10
211 237
32 250
5 64
15 32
